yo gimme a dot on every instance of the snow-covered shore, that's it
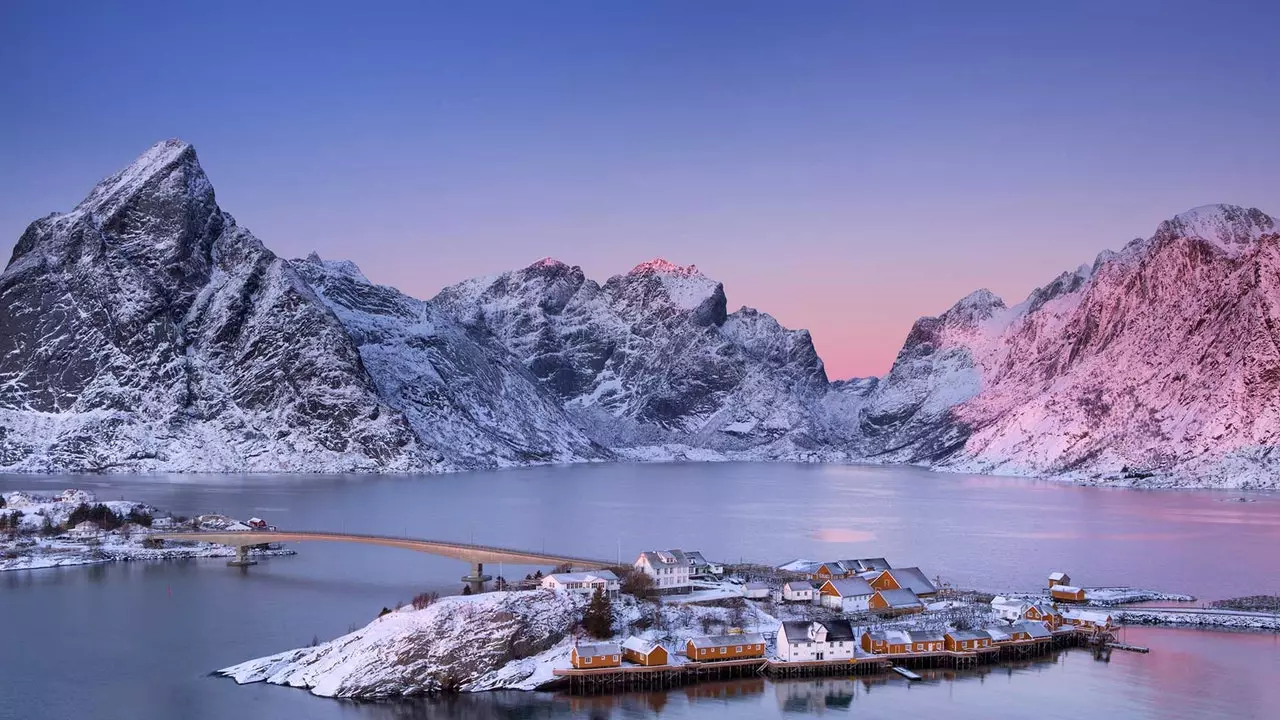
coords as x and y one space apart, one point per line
42 540
1233 619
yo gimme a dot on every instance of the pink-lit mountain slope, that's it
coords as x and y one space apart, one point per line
1162 358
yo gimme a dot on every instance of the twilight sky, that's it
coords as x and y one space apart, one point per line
845 166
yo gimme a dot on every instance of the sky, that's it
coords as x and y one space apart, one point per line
845 166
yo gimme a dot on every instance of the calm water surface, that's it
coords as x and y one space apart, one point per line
138 640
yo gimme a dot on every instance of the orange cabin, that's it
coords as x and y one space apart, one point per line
1068 593
587 657
882 642
959 640
725 647
644 652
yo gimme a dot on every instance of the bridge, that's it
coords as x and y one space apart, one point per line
477 555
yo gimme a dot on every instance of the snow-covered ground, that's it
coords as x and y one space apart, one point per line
27 549
1110 596
1234 619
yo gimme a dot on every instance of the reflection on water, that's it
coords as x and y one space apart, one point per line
138 640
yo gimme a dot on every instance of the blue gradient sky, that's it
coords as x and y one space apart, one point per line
846 166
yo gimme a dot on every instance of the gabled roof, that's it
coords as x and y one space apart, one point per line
1065 588
1032 628
695 558
796 630
926 635
795 585
1043 608
641 645
969 634
913 579
597 650
865 564
583 577
850 587
1058 576
899 598
893 637
660 558
726 640
838 630
1000 634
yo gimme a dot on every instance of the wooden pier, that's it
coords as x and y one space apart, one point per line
661 677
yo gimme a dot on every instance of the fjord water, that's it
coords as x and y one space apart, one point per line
138 640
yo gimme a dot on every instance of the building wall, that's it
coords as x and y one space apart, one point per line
657 657
727 652
597 661
885 581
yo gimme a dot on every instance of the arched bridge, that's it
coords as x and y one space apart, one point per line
477 555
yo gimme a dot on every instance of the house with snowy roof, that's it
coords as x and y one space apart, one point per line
644 652
798 591
669 569
848 595
961 640
717 648
1087 619
895 602
1067 593
881 642
911 578
583 583
600 655
1059 578
809 640
927 640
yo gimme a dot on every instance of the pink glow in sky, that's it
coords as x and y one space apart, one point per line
844 166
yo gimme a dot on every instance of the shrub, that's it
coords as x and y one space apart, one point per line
424 599
638 584
138 517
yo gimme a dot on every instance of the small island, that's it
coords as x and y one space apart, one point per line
45 530
641 627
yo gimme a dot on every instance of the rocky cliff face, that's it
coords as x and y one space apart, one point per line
1160 358
464 395
145 329
652 356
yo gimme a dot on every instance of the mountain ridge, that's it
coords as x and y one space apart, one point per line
145 330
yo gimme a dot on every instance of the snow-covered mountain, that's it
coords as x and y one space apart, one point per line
1163 357
464 396
145 330
651 357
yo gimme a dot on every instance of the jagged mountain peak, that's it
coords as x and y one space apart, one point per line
665 267
171 159
1229 227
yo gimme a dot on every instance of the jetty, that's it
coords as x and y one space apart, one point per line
637 677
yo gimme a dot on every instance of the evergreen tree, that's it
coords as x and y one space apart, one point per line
466 589
47 527
597 619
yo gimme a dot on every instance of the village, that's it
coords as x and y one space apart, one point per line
843 616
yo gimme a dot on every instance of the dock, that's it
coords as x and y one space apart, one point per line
906 673
1128 647
660 677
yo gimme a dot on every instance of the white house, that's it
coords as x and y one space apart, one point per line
848 595
669 569
804 640
699 565
756 590
584 583
798 591
1010 609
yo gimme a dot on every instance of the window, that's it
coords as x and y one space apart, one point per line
702 651
738 649
615 658
587 661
